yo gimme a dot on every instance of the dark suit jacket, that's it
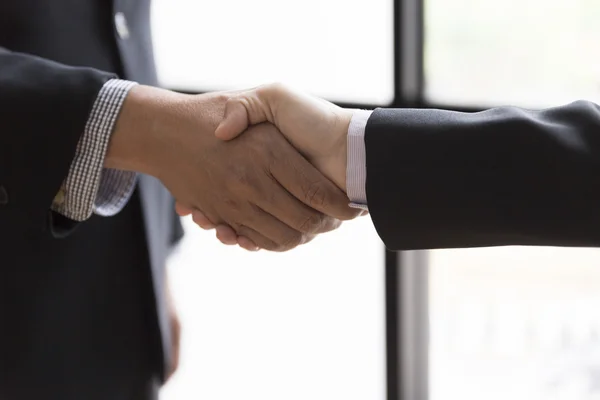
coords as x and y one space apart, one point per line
84 315
506 176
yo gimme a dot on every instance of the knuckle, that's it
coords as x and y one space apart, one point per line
312 223
269 245
240 229
329 224
354 213
198 220
241 100
335 223
315 195
259 240
308 238
292 241
348 213
223 97
272 88
202 221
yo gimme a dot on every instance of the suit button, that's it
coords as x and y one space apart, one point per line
3 196
121 25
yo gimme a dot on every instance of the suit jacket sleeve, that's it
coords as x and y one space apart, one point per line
505 176
44 107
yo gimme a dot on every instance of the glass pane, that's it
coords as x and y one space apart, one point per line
308 324
515 323
338 49
533 53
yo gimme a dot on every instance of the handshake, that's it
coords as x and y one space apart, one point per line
265 167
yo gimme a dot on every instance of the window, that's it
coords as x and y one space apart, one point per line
309 324
533 53
513 322
338 49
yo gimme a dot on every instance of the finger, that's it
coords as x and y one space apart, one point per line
241 111
278 202
202 220
259 239
227 235
269 233
311 187
183 211
309 238
247 244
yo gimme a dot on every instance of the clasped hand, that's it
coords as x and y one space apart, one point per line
316 128
270 188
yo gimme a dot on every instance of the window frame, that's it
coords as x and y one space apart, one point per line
407 272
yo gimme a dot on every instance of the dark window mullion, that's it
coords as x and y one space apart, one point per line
406 272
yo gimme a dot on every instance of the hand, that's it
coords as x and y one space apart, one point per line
258 185
317 128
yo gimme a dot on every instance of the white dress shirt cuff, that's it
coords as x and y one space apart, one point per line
356 170
89 187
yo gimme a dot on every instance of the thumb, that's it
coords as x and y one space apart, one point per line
248 108
235 121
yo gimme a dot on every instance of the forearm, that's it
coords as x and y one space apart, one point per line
44 108
123 152
141 131
116 145
505 176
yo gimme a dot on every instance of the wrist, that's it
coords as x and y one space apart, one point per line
136 143
340 160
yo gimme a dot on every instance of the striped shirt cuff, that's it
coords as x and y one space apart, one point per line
89 187
356 170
